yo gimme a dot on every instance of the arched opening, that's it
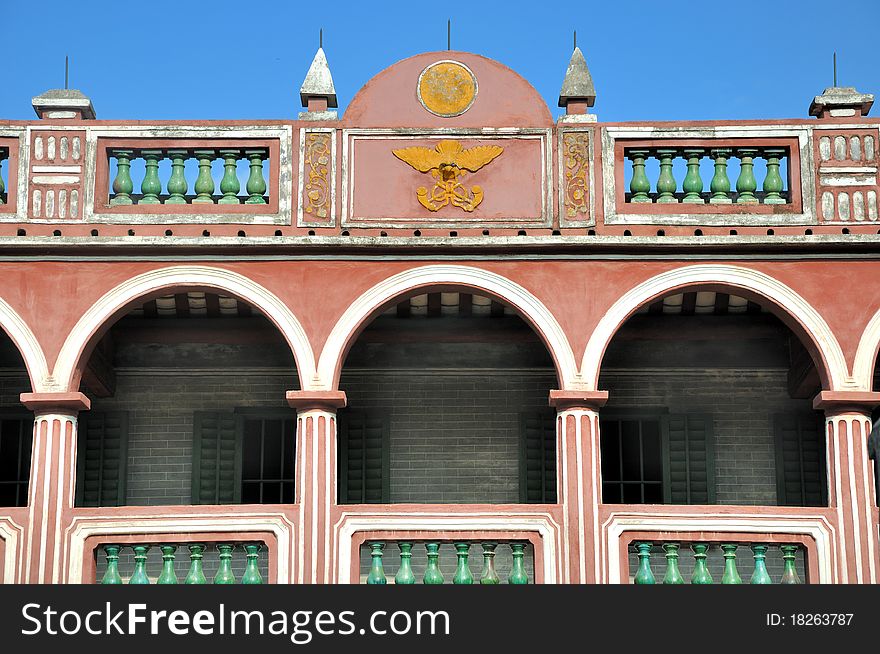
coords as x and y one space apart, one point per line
16 426
187 388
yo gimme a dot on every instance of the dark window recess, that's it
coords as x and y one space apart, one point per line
537 478
102 458
364 457
267 460
689 459
216 475
800 459
16 443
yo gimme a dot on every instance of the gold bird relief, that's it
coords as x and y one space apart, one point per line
447 163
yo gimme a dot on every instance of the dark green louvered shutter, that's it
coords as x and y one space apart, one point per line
800 459
538 458
364 458
102 458
689 459
216 470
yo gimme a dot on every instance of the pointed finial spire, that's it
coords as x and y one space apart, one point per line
577 91
317 92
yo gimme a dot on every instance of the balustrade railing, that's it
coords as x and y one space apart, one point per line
435 562
700 563
697 188
189 178
187 563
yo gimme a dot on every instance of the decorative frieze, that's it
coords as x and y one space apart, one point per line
317 178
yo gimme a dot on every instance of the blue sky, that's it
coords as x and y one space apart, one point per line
239 60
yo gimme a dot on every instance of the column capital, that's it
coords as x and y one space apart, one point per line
55 402
843 401
565 400
312 400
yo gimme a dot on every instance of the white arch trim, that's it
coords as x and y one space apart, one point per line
183 276
736 276
28 346
522 300
866 354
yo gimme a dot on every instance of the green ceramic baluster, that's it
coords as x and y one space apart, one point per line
462 572
256 185
644 574
673 575
377 572
693 183
488 575
224 571
432 571
229 185
730 576
639 185
666 182
204 186
701 572
122 184
168 576
789 574
518 574
139 576
405 576
720 184
773 181
746 185
111 575
151 186
177 185
251 570
760 575
196 575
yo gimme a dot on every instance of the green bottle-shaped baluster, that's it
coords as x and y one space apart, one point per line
789 573
229 185
463 573
256 185
673 575
760 575
111 575
730 576
195 575
666 185
772 186
377 571
224 571
701 571
252 570
639 185
168 575
139 576
746 184
432 570
177 185
518 575
405 576
151 186
488 575
644 574
122 184
204 186
720 184
693 183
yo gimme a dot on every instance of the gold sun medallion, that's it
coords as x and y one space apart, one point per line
447 88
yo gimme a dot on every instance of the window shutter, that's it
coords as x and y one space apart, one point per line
800 460
216 470
364 458
538 458
102 458
689 459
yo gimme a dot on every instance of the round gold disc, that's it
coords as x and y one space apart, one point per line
447 88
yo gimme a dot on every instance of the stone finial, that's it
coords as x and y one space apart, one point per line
317 91
841 102
64 103
577 91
